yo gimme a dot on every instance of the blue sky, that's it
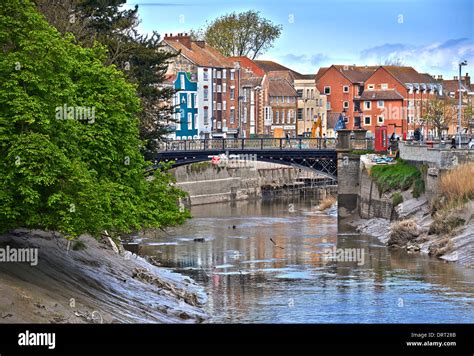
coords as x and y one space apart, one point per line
431 35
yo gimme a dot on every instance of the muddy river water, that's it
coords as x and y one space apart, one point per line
268 262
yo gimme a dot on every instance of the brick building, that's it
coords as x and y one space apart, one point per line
395 96
217 86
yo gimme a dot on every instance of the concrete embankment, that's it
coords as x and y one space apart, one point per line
408 222
91 282
240 180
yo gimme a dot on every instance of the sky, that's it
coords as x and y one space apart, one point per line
432 36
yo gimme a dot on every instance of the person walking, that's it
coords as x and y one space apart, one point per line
453 142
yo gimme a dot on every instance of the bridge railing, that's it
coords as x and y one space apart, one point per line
249 143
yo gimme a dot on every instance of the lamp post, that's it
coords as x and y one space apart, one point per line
463 63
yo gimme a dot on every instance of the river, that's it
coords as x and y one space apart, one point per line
265 262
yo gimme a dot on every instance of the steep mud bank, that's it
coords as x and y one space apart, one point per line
455 246
91 284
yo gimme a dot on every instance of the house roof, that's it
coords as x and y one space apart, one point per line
251 81
201 54
381 95
247 63
355 74
409 75
280 87
278 69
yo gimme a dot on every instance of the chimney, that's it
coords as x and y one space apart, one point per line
182 38
440 77
466 79
455 77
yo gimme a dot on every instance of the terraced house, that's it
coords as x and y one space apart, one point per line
215 101
370 96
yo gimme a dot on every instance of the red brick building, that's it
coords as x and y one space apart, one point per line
394 96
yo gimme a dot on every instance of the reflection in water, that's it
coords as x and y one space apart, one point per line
249 278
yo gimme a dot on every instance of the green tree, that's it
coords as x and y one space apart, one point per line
138 56
240 34
61 169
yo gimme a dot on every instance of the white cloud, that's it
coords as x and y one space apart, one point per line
434 58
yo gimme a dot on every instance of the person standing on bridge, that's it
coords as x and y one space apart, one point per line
288 139
325 145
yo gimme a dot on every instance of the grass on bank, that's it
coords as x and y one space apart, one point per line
398 176
456 188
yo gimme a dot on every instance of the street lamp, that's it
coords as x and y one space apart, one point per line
463 63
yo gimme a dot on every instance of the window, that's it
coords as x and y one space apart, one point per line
312 93
380 103
182 82
384 86
218 74
244 120
224 105
195 119
367 120
345 89
219 106
370 87
232 94
224 87
380 119
327 90
277 117
345 104
328 105
224 74
205 74
307 94
367 105
195 101
206 116
232 115
245 95
206 93
190 121
219 88
190 100
300 114
219 125
288 99
232 74
299 93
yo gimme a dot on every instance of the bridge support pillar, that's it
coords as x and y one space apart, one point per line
348 171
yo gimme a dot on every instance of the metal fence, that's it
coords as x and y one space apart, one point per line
261 144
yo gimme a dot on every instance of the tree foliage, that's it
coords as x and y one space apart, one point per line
439 113
137 55
240 34
61 172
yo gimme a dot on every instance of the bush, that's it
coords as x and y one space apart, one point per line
397 198
399 176
419 188
458 183
402 232
61 172
327 203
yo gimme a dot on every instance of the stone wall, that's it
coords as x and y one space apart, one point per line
348 169
206 183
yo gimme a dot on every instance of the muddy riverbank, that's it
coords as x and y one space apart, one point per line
91 282
413 231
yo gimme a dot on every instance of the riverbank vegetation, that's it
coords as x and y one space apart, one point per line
398 176
327 202
70 146
456 188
